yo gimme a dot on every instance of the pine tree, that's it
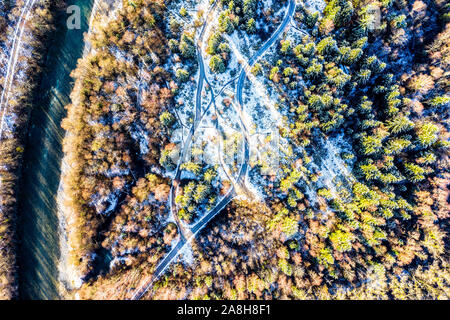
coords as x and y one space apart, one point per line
439 101
216 64
342 241
314 70
251 26
364 76
214 42
396 145
415 172
369 170
225 22
311 18
167 119
285 47
370 144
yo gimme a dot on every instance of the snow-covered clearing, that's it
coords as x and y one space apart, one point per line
69 275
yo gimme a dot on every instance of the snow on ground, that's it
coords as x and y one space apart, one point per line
203 6
141 136
260 115
17 66
243 47
186 102
170 218
204 145
327 161
207 136
256 192
246 44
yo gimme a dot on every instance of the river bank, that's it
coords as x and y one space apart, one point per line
38 220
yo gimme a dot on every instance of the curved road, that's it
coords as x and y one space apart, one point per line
186 237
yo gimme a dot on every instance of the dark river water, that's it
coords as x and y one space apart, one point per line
38 222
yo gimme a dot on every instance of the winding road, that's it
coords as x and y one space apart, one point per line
187 234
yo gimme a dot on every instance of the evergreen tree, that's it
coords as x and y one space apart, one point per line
187 47
216 64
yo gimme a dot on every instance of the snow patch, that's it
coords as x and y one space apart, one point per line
186 255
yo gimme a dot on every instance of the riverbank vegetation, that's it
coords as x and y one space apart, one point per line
18 94
358 208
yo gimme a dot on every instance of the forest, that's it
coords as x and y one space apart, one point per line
114 140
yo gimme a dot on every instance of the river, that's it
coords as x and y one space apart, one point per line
39 250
